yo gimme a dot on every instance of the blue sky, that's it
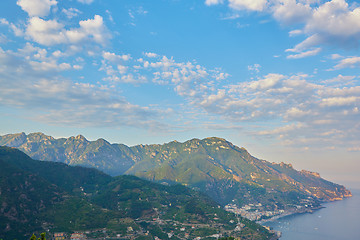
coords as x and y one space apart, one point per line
279 77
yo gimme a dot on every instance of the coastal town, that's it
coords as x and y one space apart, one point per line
257 212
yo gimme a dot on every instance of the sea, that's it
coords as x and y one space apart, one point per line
339 220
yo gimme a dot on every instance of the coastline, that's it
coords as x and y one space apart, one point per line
336 220
303 211
290 213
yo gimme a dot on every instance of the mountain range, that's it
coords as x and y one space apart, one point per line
225 172
37 196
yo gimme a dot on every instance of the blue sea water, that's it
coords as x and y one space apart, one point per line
339 220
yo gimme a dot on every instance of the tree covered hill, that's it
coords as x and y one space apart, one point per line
37 196
212 165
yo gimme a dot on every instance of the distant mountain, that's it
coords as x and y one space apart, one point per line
110 158
214 166
37 196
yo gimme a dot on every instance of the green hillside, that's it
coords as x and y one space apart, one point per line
37 196
214 166
30 203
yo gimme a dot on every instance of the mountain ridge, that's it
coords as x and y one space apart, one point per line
37 196
213 165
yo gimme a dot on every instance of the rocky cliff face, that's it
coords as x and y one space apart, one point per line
99 154
212 165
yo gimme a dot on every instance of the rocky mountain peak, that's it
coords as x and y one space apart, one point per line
102 141
38 136
80 137
14 140
315 174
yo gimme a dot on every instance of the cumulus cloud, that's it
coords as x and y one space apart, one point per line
38 8
330 23
252 5
189 79
303 108
52 32
307 109
333 22
112 57
115 67
291 11
248 5
151 55
46 32
336 23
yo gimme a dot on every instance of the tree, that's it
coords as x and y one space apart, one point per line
42 237
33 237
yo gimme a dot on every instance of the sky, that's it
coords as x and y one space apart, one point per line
278 77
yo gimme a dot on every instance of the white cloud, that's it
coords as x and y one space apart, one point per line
335 18
268 82
256 67
282 130
340 101
304 109
291 11
321 22
130 78
340 79
213 2
350 62
112 57
38 88
251 5
38 8
122 69
295 32
71 12
219 75
4 21
51 32
333 23
95 29
308 53
232 16
151 55
336 56
78 67
46 32
85 1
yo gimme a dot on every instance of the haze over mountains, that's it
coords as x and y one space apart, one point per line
225 172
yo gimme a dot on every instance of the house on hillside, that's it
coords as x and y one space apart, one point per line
59 236
78 236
